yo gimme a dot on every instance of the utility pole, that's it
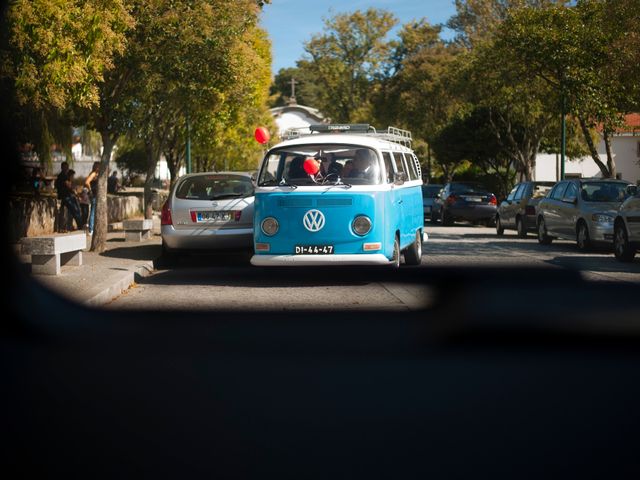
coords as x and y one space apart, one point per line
188 149
563 146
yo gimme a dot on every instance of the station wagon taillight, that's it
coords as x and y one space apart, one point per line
165 217
493 200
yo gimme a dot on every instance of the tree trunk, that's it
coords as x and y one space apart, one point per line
611 163
99 238
152 161
174 162
592 148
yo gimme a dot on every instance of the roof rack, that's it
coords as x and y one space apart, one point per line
393 134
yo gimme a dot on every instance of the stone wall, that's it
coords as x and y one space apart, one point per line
30 217
123 206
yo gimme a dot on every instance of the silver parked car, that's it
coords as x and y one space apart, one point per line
582 210
626 228
518 210
207 211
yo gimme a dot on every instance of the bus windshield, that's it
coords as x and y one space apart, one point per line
350 164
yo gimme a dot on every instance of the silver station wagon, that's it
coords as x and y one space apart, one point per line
582 210
209 211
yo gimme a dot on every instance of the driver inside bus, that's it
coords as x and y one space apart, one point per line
364 165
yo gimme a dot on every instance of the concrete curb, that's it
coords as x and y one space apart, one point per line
107 292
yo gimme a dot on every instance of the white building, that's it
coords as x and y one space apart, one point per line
296 116
625 145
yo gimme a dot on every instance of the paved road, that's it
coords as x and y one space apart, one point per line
224 281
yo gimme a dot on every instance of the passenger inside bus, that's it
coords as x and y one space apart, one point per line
296 168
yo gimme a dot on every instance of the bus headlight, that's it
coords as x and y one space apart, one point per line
269 226
361 225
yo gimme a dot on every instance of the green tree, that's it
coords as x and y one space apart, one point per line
414 93
471 138
346 59
475 20
306 87
54 56
224 138
574 50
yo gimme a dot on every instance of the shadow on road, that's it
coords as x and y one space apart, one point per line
595 264
227 258
138 252
235 275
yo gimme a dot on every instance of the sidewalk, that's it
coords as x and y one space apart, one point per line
102 277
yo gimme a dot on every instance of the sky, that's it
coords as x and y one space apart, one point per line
292 22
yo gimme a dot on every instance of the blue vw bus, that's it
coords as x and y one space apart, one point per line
339 195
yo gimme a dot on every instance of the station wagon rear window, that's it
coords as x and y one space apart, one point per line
350 164
212 187
603 192
540 191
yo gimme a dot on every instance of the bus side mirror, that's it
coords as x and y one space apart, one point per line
399 178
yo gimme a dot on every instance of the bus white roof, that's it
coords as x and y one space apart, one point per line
345 139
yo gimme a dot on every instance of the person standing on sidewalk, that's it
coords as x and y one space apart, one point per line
70 202
85 202
91 183
61 191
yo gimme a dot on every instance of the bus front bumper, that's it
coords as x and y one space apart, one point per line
307 260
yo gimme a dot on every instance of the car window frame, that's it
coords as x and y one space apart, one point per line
562 186
570 199
520 192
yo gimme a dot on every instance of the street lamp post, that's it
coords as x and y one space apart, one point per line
188 149
563 146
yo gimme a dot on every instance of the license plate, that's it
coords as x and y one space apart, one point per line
214 216
473 199
427 209
314 249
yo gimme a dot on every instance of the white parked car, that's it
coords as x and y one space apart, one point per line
209 211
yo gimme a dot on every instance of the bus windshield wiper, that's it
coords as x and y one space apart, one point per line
284 183
339 183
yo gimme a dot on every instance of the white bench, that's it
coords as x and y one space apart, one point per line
49 252
137 230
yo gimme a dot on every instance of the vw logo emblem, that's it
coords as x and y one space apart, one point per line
313 220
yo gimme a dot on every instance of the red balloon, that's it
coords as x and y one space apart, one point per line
311 166
262 135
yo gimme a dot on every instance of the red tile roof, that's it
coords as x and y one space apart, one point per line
632 124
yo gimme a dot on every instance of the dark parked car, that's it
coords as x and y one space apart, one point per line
582 210
429 206
518 210
469 201
626 228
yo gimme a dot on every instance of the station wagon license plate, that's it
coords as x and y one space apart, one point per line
214 216
314 249
473 199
